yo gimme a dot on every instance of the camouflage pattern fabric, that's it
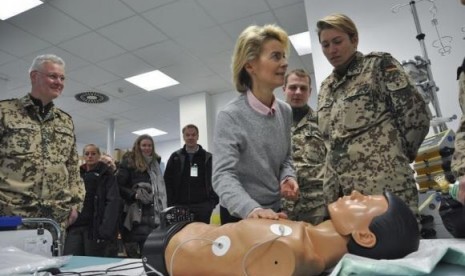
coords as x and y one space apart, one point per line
308 153
39 174
462 92
373 121
458 159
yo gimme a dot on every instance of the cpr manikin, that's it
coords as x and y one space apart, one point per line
379 226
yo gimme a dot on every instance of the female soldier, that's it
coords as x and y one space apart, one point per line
370 115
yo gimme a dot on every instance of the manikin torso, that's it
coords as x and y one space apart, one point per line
255 247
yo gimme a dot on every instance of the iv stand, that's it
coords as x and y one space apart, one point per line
431 85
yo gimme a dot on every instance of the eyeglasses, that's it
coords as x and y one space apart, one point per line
53 76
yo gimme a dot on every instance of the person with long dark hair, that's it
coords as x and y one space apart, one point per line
144 193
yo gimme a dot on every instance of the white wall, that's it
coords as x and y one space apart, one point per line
166 148
382 30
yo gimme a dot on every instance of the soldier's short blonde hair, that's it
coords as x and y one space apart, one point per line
339 22
249 46
40 60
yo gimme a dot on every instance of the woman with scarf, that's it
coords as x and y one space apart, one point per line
143 190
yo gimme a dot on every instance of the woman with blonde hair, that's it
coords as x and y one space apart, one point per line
95 230
371 116
143 189
252 165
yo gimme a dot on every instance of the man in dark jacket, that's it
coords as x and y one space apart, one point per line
188 177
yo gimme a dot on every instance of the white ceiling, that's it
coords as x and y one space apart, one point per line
105 41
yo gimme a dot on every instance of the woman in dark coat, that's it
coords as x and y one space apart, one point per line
143 190
95 229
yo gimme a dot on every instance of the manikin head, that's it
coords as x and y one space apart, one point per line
380 227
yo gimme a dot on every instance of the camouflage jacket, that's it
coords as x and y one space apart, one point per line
458 160
39 173
373 121
308 154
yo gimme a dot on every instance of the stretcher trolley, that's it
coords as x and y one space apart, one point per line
41 236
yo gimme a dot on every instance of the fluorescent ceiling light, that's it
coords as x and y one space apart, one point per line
150 131
301 43
152 80
10 8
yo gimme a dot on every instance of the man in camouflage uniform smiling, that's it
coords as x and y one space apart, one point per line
371 117
39 175
308 151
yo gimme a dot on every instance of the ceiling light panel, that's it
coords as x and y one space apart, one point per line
153 80
10 8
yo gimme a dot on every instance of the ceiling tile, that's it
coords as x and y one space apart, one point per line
225 10
164 54
92 47
144 5
17 42
126 65
5 58
16 73
220 63
280 3
292 18
92 75
132 33
54 27
188 17
94 14
187 71
235 28
206 42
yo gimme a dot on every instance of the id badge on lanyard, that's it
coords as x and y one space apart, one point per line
194 170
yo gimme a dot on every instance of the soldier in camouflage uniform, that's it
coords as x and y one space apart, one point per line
308 151
371 116
39 173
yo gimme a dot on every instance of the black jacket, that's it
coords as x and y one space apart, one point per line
173 176
128 178
103 205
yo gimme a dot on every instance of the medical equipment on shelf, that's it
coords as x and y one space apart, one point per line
433 159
